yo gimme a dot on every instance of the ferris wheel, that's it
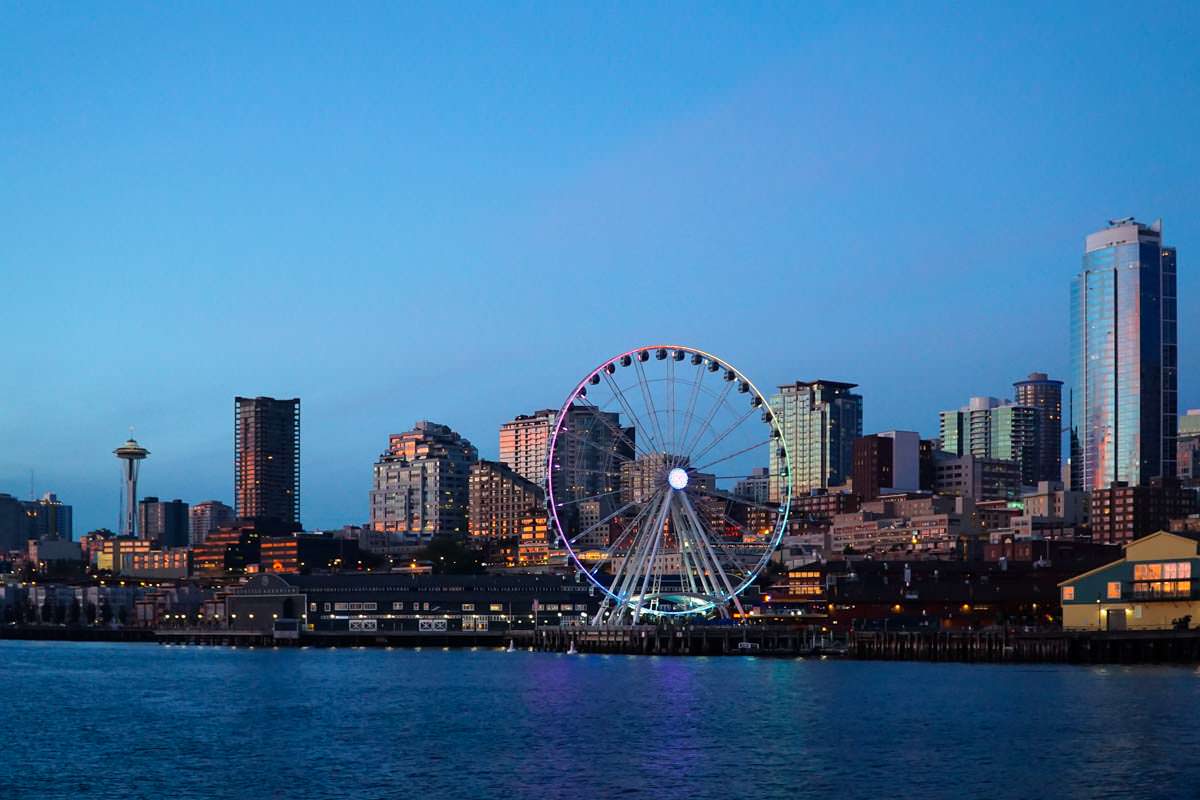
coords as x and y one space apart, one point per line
667 483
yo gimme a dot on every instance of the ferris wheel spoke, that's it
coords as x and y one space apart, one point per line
671 395
692 558
629 528
614 586
707 566
707 546
743 451
652 564
609 473
585 499
732 555
737 424
712 412
604 521
607 451
634 418
733 498
695 393
632 564
718 540
689 578
599 414
648 399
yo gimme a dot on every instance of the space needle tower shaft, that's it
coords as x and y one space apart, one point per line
131 454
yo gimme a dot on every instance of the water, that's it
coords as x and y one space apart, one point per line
145 721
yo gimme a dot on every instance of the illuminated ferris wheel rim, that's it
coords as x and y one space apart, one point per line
674 477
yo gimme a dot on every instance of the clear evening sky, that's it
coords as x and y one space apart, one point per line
453 212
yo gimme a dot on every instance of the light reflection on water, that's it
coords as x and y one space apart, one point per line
100 720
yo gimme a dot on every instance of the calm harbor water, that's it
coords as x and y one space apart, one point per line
145 721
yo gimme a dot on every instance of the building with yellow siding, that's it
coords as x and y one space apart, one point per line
1154 587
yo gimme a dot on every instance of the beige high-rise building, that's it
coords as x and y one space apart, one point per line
525 443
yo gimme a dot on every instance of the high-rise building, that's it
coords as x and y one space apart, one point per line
1121 513
206 517
991 428
163 521
525 444
591 444
1123 353
1187 450
1041 392
820 421
16 528
266 460
421 483
927 451
50 518
977 477
499 500
886 462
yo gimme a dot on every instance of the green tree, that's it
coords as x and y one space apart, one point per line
450 556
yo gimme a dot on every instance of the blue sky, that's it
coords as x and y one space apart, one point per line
453 212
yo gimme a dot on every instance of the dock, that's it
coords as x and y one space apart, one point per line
1062 647
990 646
681 640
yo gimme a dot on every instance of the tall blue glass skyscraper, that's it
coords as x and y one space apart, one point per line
1123 358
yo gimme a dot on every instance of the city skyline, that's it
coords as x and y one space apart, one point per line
724 165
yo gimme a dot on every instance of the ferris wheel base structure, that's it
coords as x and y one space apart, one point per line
655 486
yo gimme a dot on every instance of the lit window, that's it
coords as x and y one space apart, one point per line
1068 593
1114 590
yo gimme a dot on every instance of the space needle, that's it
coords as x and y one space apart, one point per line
131 454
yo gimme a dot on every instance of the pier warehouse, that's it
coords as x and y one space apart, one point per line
368 603
1151 588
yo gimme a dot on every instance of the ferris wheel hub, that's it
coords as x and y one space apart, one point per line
678 478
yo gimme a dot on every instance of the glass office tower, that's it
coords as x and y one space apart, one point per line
1123 358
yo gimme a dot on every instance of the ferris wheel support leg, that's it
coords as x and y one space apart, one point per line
685 560
648 563
708 549
620 581
600 612
695 559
